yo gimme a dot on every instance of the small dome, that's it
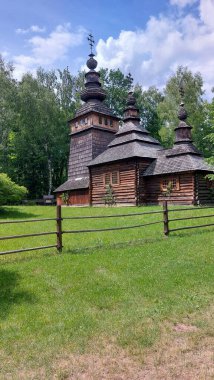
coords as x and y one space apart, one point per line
131 101
182 113
91 62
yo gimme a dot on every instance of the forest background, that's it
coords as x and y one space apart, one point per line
34 135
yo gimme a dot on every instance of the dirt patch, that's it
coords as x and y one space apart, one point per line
181 327
176 359
184 352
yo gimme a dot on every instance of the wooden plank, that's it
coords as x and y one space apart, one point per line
27 235
26 220
111 229
27 249
189 227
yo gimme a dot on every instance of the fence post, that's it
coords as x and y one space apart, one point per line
165 218
59 228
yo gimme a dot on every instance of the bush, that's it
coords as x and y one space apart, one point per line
10 192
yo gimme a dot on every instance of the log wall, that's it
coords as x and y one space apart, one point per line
185 194
124 192
141 184
76 198
204 190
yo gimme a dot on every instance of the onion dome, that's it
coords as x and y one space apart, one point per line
182 113
93 89
183 130
131 112
91 62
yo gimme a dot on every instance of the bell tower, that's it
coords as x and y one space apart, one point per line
91 130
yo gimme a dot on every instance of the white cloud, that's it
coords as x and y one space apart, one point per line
4 53
33 29
153 54
207 12
182 3
45 51
37 29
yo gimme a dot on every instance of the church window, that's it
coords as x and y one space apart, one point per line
170 183
115 178
106 121
111 123
111 178
164 184
100 120
107 179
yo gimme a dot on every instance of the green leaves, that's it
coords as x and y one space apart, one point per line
117 86
194 104
10 192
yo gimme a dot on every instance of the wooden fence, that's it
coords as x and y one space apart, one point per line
166 219
59 230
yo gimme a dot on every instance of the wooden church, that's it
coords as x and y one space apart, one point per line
128 160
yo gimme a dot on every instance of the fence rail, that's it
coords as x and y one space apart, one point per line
166 211
59 230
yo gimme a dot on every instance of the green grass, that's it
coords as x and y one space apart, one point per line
122 285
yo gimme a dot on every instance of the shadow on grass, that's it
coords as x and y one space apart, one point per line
105 246
13 213
135 242
191 232
9 296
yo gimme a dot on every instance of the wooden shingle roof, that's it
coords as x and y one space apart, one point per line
129 142
175 164
95 106
71 184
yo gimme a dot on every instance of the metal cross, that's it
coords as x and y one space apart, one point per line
130 79
91 41
181 88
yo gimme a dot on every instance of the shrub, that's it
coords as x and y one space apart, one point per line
10 192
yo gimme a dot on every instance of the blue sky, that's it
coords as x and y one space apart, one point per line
149 38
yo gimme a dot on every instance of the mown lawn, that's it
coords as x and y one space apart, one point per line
120 286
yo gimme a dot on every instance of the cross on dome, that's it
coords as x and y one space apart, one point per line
91 41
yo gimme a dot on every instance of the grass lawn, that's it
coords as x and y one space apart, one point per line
114 305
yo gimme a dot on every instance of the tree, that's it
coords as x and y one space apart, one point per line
147 102
117 86
194 104
10 192
209 139
42 139
8 115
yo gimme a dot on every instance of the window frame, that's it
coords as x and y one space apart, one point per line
175 180
111 176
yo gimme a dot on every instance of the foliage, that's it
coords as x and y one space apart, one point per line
168 190
147 102
117 86
10 192
8 109
109 197
194 104
42 142
65 197
209 139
